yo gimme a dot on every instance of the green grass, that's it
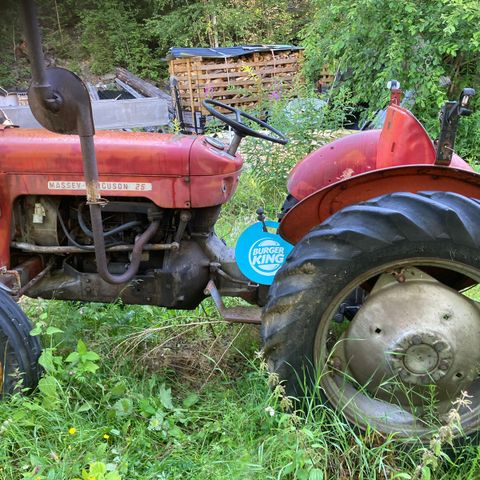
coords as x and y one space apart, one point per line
181 394
200 408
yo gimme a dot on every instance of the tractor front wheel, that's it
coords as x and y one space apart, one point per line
372 309
19 351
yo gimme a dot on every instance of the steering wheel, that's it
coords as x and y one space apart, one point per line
239 127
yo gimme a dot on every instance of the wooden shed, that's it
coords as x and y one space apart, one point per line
238 76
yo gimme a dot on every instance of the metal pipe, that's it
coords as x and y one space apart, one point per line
59 250
90 172
101 254
34 280
51 99
34 44
233 147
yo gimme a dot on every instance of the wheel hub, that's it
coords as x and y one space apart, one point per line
412 331
421 358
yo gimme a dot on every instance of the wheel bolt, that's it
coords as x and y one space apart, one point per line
416 339
443 365
439 346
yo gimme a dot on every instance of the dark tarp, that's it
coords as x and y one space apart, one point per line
226 52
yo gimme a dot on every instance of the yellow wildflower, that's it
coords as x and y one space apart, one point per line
72 430
106 436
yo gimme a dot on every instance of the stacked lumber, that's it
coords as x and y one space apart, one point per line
240 81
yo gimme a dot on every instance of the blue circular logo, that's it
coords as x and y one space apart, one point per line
260 254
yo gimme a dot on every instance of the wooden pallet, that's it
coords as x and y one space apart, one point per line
238 81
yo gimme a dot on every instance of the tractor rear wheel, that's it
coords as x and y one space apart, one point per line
19 351
411 344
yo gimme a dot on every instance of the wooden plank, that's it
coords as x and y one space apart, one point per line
230 76
266 71
227 80
209 63
142 86
225 66
213 92
231 101
246 83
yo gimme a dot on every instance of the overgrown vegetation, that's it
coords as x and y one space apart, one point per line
146 393
432 48
94 37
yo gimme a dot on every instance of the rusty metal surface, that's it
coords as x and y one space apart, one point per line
134 165
233 314
317 207
418 329
22 274
29 268
177 283
24 289
168 169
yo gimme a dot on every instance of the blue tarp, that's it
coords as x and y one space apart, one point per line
226 52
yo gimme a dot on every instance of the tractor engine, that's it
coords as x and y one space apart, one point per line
56 231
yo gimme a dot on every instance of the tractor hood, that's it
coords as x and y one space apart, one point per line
174 171
402 141
127 153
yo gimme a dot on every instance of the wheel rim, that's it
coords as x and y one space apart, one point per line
413 340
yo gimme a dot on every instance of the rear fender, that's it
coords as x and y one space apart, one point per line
317 207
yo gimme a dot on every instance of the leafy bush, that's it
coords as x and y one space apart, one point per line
222 22
308 121
424 45
113 36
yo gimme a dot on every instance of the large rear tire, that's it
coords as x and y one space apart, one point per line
413 254
19 351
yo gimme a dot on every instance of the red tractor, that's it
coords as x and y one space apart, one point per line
368 309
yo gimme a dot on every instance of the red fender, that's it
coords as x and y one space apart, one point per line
317 207
402 141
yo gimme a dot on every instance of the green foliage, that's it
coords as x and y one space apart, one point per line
113 37
99 471
83 360
421 44
414 42
308 121
105 34
222 22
